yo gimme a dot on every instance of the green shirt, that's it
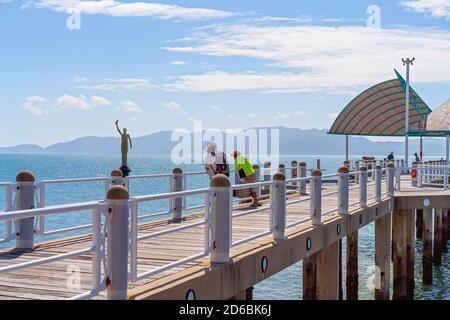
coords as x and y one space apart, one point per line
243 164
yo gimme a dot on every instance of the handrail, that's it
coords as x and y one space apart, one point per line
276 210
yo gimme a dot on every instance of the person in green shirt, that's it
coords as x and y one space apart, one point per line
247 175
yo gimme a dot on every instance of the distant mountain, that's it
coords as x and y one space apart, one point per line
292 141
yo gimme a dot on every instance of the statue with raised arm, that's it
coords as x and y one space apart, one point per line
125 139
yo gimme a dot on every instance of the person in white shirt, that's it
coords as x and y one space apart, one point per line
216 161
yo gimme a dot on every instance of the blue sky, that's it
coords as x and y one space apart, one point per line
229 63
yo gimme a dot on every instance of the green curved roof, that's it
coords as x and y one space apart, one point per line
380 111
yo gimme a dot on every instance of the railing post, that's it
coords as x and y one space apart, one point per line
258 179
267 175
96 267
316 198
414 171
419 174
294 171
117 243
9 207
279 206
378 177
390 179
302 188
282 169
356 170
177 203
221 219
24 201
445 178
116 178
363 187
343 183
41 204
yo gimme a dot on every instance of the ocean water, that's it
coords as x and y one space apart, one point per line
284 285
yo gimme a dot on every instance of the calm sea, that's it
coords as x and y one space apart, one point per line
285 285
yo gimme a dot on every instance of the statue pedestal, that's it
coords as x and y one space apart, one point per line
125 171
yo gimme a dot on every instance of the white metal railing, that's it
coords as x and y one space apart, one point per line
8 189
96 249
218 205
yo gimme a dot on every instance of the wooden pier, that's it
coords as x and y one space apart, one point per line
254 260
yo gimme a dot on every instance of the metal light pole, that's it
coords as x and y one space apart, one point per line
407 62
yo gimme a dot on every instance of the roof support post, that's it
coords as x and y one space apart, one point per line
407 62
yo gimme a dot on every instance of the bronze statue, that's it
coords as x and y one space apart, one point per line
124 146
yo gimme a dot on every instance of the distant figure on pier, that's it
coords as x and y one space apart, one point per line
390 156
216 161
417 157
247 175
125 137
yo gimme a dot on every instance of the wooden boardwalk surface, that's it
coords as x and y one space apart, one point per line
58 280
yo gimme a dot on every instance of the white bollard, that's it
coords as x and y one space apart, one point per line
390 179
221 220
316 198
258 179
177 203
116 178
343 195
117 243
378 178
25 201
279 206
302 188
363 187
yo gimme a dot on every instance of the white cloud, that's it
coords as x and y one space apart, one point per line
131 9
215 108
436 8
172 106
34 104
337 60
252 115
289 115
332 115
70 102
130 106
79 79
119 85
100 101
39 105
177 62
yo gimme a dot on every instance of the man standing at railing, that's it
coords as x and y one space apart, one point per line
247 175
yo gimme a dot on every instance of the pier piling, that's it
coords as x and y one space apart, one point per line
427 238
410 253
382 256
419 223
328 272
399 220
444 230
437 237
